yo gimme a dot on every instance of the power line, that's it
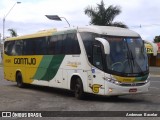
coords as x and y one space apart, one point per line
142 26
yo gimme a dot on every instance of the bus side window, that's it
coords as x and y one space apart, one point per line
55 45
64 44
75 45
52 44
29 47
97 57
68 45
59 45
71 45
8 46
17 48
88 41
41 46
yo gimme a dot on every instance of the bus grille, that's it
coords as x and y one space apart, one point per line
132 84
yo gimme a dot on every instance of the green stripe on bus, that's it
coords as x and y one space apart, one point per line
143 78
42 68
53 67
48 67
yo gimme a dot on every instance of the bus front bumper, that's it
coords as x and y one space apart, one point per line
113 89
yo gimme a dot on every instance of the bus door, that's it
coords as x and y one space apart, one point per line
97 69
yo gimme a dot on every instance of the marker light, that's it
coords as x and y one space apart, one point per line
110 90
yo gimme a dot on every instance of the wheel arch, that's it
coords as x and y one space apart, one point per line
73 79
18 71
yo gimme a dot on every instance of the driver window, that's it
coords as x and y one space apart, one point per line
97 57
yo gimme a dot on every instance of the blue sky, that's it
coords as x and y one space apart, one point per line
29 16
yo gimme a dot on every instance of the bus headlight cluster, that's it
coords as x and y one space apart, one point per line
113 81
146 81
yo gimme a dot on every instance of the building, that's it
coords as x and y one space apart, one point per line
153 60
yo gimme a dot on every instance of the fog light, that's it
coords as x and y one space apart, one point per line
110 90
146 81
116 82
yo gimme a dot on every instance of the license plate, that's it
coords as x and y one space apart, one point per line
133 90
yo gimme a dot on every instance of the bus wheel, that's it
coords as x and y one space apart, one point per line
79 93
19 80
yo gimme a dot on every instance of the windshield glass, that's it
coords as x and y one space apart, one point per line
127 55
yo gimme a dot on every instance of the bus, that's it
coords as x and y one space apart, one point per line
101 60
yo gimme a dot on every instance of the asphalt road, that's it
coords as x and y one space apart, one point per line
36 98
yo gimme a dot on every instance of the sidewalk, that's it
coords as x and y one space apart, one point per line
154 71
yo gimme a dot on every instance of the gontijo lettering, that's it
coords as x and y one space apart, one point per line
25 61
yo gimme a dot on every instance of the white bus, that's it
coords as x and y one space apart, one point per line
101 60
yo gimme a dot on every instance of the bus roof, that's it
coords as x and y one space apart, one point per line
107 30
35 35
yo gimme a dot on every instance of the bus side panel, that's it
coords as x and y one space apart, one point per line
9 73
37 70
10 68
49 71
27 65
30 71
74 65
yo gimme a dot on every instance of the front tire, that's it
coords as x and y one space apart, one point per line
79 93
19 80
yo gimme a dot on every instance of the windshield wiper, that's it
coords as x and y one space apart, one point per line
129 57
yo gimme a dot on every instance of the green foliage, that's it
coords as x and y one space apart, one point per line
104 16
13 33
157 39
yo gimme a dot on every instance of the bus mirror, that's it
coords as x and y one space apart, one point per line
105 44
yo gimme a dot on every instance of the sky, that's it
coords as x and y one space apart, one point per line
28 17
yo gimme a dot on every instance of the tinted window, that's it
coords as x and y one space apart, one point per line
29 47
35 46
88 39
17 48
97 57
64 44
41 46
8 46
52 45
71 45
57 44
75 45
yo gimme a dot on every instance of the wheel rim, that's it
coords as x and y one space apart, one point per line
19 81
77 90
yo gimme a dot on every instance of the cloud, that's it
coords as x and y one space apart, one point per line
28 16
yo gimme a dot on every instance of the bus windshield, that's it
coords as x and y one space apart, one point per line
127 55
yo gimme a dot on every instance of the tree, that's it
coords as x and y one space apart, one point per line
104 16
13 33
157 39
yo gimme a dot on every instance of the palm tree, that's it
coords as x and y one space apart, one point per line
156 39
104 16
13 33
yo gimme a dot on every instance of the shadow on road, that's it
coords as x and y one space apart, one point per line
88 97
49 90
117 99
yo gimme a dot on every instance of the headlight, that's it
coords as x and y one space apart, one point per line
113 81
146 81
